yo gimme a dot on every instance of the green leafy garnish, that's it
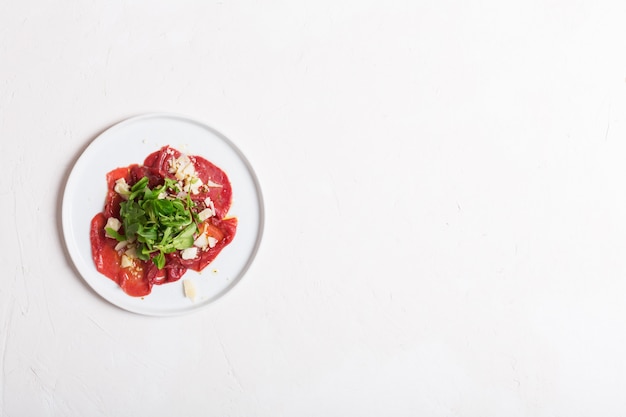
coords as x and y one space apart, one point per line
114 234
156 221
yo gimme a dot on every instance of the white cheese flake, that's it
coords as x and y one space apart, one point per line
131 252
205 214
184 171
112 223
121 245
201 241
190 289
210 205
212 241
122 188
195 184
189 253
127 261
213 184
189 170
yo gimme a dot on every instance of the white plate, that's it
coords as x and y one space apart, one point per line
130 142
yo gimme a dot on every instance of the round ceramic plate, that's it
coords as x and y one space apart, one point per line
129 142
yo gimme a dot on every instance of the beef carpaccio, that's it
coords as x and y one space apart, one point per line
161 218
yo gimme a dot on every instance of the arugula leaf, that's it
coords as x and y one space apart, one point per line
159 260
184 239
155 224
114 234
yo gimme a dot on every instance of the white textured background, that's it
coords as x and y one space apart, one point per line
445 189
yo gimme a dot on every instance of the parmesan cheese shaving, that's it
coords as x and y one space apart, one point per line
190 289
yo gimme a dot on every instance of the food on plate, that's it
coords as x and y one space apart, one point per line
161 219
190 289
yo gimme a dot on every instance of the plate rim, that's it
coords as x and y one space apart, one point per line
68 236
